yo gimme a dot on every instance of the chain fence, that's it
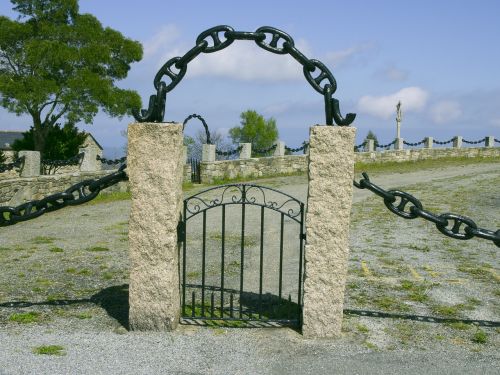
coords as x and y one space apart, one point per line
51 166
235 151
111 161
414 144
408 207
264 151
297 149
18 163
76 194
474 142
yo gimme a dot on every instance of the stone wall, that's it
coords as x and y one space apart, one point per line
272 166
19 190
253 167
425 153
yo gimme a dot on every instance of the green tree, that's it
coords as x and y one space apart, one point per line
61 142
254 129
56 63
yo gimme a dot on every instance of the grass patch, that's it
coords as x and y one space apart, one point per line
480 337
25 318
56 250
110 197
410 166
43 240
97 248
390 303
362 328
49 350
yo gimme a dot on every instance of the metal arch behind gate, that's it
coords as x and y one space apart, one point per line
220 293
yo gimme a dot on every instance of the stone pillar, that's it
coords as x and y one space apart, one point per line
89 161
31 165
280 149
208 153
399 144
490 141
246 150
457 142
370 146
429 142
331 171
155 164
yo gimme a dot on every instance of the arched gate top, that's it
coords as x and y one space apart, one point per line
266 37
250 194
207 131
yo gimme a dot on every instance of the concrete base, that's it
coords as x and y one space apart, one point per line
331 171
155 168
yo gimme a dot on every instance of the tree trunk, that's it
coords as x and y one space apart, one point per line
40 131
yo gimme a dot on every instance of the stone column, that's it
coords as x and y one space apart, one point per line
89 161
331 171
490 141
399 144
31 165
457 142
155 164
246 150
208 153
370 146
280 149
429 142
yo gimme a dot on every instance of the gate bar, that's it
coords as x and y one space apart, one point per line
203 263
242 247
184 261
261 266
281 259
223 235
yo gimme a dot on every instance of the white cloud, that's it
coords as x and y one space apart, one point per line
412 99
445 111
392 73
246 61
350 55
161 41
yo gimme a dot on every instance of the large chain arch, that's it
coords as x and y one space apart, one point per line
268 38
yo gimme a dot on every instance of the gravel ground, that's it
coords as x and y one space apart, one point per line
405 269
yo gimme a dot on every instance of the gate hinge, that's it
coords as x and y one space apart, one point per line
303 236
181 231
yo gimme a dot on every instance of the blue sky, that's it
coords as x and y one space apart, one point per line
440 58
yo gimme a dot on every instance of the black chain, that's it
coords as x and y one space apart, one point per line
414 144
268 38
207 131
385 146
397 201
79 193
445 142
264 150
9 166
474 142
230 152
301 148
356 148
111 161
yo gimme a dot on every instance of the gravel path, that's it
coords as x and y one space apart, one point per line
404 268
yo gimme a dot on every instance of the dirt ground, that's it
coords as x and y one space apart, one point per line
408 286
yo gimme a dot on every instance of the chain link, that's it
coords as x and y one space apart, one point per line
264 150
445 142
229 153
111 161
301 148
266 37
449 224
376 144
79 193
474 142
414 144
18 163
207 131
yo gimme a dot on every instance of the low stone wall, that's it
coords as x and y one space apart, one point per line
20 190
425 153
272 166
253 167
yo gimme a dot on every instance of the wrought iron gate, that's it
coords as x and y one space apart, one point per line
195 170
242 256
